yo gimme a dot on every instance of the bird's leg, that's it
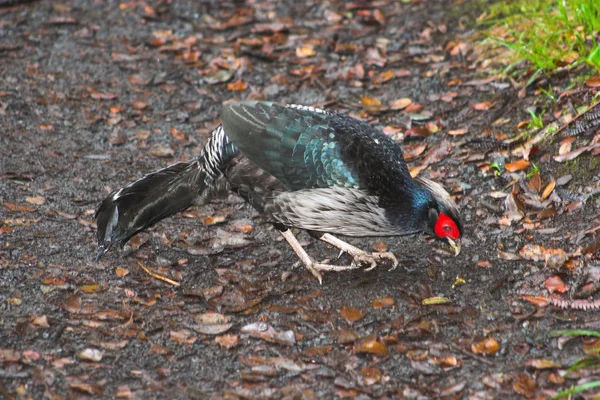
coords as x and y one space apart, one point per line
308 262
359 256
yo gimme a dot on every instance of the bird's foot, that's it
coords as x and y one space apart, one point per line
373 259
360 257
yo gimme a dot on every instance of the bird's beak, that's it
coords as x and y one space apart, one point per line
455 246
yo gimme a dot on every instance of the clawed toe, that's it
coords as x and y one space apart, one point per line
374 258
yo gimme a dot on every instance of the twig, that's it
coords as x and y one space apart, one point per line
158 276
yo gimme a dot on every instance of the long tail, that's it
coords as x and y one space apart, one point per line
161 194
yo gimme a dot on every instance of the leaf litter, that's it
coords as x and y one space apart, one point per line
531 264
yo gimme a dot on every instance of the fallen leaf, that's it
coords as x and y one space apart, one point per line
371 103
182 336
548 190
212 323
412 151
458 132
37 200
431 301
227 341
90 354
17 207
41 321
517 165
400 104
552 257
555 284
594 81
540 363
237 86
305 51
372 346
489 346
383 302
162 151
540 301
371 375
267 332
486 105
524 385
384 77
351 314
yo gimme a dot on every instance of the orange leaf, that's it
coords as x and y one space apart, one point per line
457 132
486 105
517 165
351 314
400 104
371 345
540 301
489 346
305 51
555 284
383 302
594 81
371 103
548 190
384 77
237 86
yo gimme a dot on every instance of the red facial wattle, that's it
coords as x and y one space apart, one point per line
446 227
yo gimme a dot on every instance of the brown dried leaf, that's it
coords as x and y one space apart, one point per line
162 151
548 190
372 346
97 95
412 151
400 104
371 103
90 354
540 363
237 86
383 302
351 314
555 284
267 332
371 375
17 207
305 51
42 321
539 301
227 341
182 336
552 257
486 105
488 346
212 323
517 165
524 385
37 200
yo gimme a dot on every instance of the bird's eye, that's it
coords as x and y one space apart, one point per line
447 228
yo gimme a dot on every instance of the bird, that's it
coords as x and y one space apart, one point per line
301 167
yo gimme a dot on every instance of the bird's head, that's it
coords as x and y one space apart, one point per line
443 217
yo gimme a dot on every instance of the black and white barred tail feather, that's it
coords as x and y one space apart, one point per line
161 194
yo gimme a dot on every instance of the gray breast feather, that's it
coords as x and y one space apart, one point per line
344 211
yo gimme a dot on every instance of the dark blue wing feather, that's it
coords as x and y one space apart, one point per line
302 147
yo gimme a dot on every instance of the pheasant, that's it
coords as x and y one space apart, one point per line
302 167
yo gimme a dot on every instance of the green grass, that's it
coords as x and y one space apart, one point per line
548 33
590 362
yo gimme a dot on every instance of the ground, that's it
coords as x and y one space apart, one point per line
94 94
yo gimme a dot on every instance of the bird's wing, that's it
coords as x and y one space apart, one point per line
300 146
